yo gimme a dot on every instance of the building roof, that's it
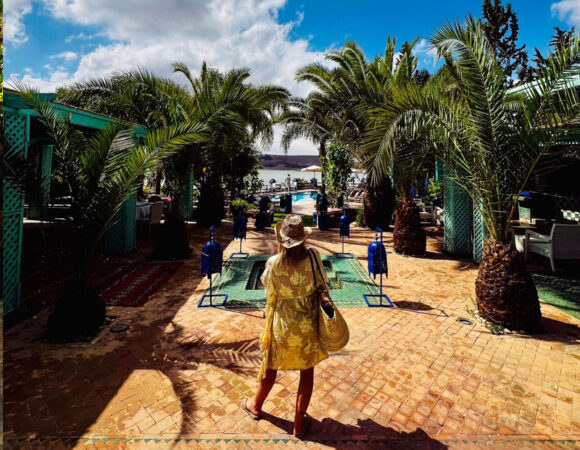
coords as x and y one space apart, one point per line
78 116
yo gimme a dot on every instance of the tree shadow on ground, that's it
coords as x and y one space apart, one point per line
366 434
80 380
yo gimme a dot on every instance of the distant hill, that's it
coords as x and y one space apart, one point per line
282 162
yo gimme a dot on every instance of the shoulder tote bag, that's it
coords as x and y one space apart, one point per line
333 333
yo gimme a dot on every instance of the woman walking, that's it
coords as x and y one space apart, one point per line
290 339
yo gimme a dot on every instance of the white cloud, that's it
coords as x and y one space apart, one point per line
80 36
67 56
42 83
153 34
14 12
567 11
425 53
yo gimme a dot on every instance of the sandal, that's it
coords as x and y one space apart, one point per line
248 412
305 427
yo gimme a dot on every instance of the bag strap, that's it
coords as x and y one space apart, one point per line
318 267
310 257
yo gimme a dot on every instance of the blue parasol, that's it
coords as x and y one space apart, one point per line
272 180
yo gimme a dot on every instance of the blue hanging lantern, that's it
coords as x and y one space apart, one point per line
344 226
377 257
413 192
211 257
287 203
211 262
240 227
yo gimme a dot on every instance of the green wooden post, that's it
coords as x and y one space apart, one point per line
120 237
456 216
38 207
438 170
17 130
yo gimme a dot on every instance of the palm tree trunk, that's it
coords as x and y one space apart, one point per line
505 291
408 236
322 156
158 176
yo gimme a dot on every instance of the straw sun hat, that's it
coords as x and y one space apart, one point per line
292 231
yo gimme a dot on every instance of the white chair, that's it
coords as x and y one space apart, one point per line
154 218
563 243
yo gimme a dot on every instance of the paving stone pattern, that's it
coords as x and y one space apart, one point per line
407 379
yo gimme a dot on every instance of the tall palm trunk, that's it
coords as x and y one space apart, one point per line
408 237
322 157
378 204
505 291
210 206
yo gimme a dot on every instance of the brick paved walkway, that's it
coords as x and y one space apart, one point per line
415 379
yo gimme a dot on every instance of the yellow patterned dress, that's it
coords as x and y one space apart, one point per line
290 339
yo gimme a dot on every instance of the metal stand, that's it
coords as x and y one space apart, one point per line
343 254
207 256
344 231
211 296
380 295
239 255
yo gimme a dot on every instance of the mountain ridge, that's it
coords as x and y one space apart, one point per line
294 162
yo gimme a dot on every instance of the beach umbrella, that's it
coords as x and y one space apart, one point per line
312 169
362 180
272 181
313 180
294 180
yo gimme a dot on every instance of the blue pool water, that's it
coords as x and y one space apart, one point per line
298 196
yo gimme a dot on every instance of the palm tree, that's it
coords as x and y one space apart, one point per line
100 172
237 115
491 141
308 119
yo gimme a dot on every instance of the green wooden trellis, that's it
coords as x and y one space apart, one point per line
16 128
457 217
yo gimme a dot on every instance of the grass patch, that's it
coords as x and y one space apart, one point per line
308 221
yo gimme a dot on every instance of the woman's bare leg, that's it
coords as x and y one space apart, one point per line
303 398
264 387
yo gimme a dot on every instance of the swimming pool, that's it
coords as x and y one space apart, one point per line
298 196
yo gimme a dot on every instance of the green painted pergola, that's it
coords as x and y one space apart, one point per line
17 118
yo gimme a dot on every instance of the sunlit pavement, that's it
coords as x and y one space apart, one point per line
407 379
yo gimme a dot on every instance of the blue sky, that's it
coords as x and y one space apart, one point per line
51 43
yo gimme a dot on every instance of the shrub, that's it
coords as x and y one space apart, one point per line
239 207
360 216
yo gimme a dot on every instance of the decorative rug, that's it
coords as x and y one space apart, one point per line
135 287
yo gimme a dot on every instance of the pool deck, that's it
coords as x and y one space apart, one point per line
409 378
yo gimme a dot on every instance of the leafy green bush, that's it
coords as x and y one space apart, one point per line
360 217
239 207
434 189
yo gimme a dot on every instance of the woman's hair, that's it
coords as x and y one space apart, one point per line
290 256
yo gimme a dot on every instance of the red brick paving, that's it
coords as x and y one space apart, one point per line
407 378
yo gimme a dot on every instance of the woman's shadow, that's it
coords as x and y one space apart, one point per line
366 434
